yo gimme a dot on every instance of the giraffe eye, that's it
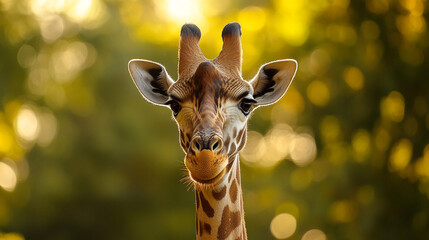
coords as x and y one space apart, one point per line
175 107
245 105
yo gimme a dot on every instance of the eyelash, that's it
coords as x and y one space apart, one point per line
174 106
245 105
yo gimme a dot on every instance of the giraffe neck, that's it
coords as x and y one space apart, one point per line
220 213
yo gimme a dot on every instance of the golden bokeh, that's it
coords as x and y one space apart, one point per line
354 78
422 164
314 234
361 143
283 226
27 124
400 155
303 149
279 143
8 177
318 93
393 107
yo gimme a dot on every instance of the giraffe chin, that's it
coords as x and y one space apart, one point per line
206 167
212 181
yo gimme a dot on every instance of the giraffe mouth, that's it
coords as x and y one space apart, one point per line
206 167
208 181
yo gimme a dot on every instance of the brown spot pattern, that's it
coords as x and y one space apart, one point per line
230 221
226 143
233 192
242 142
232 148
201 229
240 134
219 195
230 162
207 228
206 206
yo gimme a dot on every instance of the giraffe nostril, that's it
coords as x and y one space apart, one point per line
216 144
196 145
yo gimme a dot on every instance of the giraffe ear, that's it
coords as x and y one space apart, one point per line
273 80
151 79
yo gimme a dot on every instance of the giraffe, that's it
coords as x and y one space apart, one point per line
211 103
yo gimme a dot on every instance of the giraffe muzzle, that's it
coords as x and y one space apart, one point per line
206 166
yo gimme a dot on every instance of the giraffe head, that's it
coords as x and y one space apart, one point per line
210 101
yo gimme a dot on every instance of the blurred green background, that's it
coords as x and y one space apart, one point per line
344 155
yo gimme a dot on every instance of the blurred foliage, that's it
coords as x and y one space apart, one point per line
344 155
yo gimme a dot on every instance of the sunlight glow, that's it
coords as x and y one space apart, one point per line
252 18
183 11
80 9
293 21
